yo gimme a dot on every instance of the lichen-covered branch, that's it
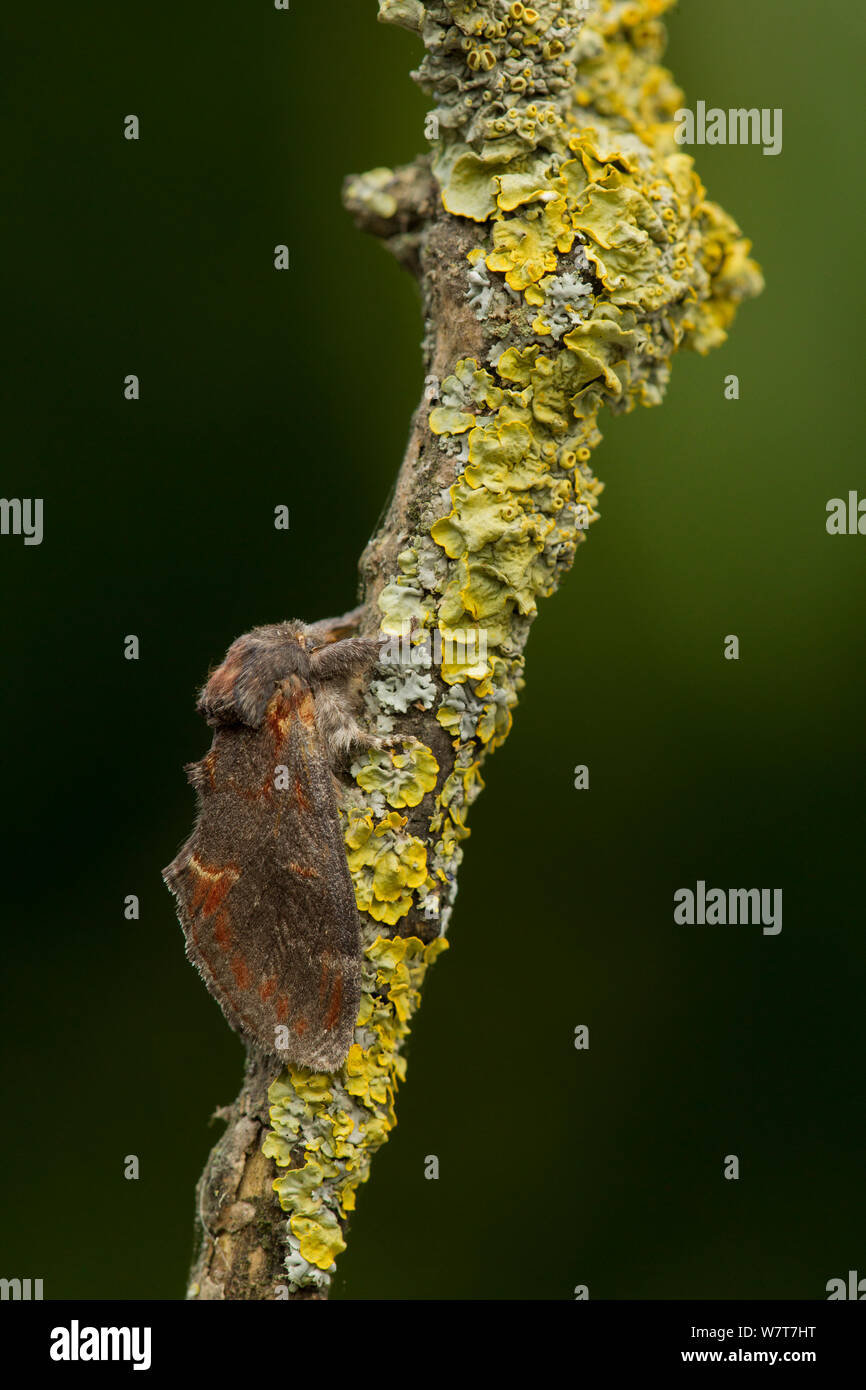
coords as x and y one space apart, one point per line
565 249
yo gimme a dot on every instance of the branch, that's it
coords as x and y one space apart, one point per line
565 250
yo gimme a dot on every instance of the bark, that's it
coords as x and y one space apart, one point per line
564 249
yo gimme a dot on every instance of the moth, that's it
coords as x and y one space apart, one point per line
263 889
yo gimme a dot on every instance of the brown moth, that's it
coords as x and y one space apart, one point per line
263 889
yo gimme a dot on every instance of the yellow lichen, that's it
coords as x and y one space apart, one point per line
385 865
525 247
320 1241
400 602
403 778
448 421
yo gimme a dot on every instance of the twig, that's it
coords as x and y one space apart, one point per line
565 250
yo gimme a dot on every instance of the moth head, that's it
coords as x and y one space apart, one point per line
240 689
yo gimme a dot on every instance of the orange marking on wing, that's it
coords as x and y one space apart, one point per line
324 976
263 793
222 932
336 1001
301 798
214 882
282 1008
302 870
301 1027
209 764
299 701
217 893
222 936
307 710
240 970
279 716
267 987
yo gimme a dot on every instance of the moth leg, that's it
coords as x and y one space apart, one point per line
341 730
364 739
394 741
351 735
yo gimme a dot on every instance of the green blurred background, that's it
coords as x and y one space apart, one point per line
557 1167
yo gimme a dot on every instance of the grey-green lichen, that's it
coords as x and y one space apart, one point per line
596 257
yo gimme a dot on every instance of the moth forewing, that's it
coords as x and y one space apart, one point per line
263 888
